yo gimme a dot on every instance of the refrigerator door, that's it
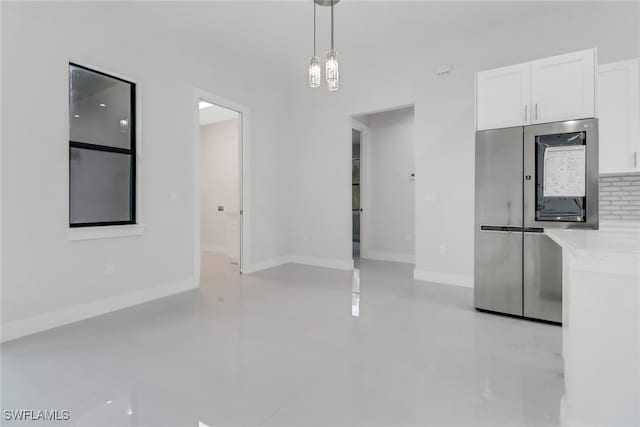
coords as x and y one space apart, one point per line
561 174
498 271
498 208
542 267
499 177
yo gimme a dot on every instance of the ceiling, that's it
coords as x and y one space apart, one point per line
279 34
214 114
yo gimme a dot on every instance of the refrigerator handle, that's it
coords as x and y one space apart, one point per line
526 107
502 228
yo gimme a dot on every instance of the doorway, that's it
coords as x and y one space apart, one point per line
383 180
356 194
220 184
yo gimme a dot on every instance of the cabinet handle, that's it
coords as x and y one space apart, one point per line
525 112
635 159
536 111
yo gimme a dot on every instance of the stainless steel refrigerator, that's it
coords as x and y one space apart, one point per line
528 179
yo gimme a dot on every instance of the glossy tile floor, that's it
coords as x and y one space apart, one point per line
294 346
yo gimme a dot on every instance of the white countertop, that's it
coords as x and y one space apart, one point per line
613 238
601 324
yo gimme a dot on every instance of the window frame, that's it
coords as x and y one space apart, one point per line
131 152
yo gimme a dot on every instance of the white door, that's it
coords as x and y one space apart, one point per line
563 87
619 115
503 97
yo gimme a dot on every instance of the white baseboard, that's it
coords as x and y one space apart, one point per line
446 278
337 264
53 319
214 248
263 265
388 256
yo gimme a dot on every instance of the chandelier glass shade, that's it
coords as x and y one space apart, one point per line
315 72
331 71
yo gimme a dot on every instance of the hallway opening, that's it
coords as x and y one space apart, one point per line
383 190
220 159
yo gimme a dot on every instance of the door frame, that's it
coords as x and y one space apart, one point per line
364 130
243 166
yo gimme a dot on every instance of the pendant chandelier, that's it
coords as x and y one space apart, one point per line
332 74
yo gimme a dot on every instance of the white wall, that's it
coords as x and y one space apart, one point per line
220 183
48 279
444 128
389 198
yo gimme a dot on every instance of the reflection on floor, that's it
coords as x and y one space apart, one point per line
356 254
281 347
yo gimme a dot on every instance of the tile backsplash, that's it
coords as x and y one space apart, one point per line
620 198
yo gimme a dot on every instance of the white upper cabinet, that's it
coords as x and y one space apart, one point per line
563 87
618 101
547 90
503 97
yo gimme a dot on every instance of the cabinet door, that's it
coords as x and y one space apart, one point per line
503 97
618 101
563 87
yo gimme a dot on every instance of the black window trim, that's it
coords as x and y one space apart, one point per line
131 151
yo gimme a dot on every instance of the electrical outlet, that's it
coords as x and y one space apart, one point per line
109 268
443 250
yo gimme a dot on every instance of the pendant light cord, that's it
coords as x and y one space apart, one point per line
314 28
332 1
